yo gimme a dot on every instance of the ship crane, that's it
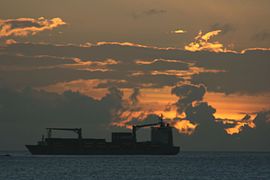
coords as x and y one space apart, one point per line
137 127
76 130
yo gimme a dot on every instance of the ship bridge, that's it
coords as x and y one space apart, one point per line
161 133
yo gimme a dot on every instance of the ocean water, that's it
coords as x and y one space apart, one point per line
185 165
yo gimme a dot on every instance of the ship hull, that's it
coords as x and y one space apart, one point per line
103 150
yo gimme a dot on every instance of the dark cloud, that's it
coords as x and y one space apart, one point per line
230 72
42 77
261 36
64 65
190 102
245 74
48 107
161 64
149 12
252 139
115 99
210 132
225 28
134 97
144 81
154 11
13 60
187 95
33 110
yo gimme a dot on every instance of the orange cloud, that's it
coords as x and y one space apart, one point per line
128 44
27 26
127 117
178 31
10 42
122 124
185 127
121 44
202 43
239 124
254 49
239 127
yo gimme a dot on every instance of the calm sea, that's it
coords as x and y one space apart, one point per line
186 165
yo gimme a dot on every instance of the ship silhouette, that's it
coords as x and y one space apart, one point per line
122 143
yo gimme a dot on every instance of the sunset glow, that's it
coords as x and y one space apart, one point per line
201 67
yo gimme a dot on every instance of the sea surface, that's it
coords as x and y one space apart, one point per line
185 165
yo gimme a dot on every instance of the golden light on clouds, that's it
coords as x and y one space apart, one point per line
28 26
240 124
123 123
208 35
202 43
230 108
121 44
131 44
185 127
239 127
255 49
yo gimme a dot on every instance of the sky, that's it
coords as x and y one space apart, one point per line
106 65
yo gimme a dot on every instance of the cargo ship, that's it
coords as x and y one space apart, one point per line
122 143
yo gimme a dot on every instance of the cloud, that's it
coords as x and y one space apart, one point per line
161 64
13 61
178 31
134 96
251 139
225 28
143 81
17 72
139 66
238 126
261 36
202 43
133 66
10 41
27 26
33 110
206 132
131 112
243 74
255 50
121 44
187 95
185 127
44 109
196 116
154 11
149 12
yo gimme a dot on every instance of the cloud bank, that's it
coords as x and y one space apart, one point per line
202 67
